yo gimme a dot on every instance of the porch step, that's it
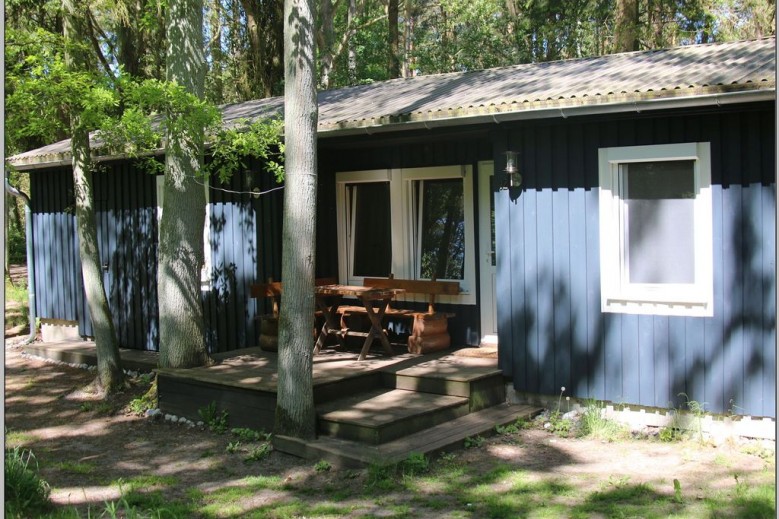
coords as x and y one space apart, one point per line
439 438
379 416
479 380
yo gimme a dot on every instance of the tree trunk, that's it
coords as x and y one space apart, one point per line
394 39
326 41
626 26
351 21
182 337
295 414
110 377
216 94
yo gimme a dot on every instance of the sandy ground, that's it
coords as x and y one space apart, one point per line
87 448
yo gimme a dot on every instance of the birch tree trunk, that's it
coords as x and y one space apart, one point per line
182 337
295 414
110 377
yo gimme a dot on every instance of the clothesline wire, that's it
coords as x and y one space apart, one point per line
231 191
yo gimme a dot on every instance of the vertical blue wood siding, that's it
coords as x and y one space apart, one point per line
245 249
551 330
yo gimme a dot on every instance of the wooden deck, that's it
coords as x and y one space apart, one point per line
378 410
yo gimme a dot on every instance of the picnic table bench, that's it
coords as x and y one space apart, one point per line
429 331
269 323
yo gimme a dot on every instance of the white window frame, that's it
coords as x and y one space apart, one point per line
404 234
617 293
205 273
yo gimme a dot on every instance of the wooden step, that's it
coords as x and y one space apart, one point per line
439 438
383 415
477 379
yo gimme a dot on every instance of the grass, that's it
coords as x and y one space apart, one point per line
446 486
26 493
594 426
17 295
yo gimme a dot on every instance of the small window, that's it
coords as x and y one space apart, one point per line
370 245
441 229
656 229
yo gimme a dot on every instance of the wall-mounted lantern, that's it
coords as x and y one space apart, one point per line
513 176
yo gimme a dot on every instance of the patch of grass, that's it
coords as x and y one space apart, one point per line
215 503
592 424
76 467
416 463
26 493
625 500
18 438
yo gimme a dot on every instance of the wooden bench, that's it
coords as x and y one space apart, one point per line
269 323
429 331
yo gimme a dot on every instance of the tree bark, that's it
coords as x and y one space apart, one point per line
626 26
110 377
182 337
295 414
394 39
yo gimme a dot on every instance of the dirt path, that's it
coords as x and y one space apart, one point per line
91 452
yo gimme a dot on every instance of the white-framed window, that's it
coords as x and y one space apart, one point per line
414 223
205 273
656 229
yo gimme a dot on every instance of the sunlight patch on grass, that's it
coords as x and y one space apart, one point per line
18 438
75 467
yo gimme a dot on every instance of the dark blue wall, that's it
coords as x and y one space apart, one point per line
551 330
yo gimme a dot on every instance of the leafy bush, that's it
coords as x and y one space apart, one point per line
26 493
250 435
215 421
416 463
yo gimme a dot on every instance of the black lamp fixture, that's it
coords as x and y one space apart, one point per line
513 176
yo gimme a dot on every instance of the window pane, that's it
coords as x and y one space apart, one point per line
659 227
442 232
371 229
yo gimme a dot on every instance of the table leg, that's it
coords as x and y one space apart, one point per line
331 324
376 314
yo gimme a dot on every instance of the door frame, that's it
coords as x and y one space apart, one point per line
487 269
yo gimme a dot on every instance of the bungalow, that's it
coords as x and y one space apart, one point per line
611 221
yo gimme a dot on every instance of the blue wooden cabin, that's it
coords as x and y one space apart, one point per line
630 258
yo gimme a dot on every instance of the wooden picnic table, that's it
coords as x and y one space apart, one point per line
375 300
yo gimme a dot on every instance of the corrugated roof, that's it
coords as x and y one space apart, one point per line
708 73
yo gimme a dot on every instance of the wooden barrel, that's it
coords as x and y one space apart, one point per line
269 333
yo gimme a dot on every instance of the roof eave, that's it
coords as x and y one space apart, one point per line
553 109
563 108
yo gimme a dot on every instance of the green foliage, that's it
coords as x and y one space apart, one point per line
215 420
145 402
593 425
415 464
26 493
697 409
678 492
323 466
559 425
233 447
259 453
258 139
250 435
472 442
